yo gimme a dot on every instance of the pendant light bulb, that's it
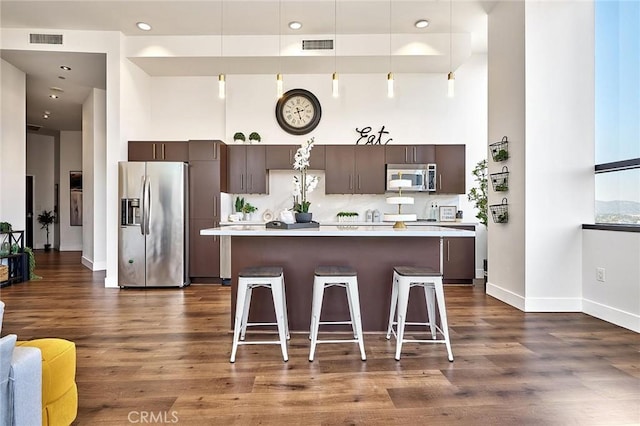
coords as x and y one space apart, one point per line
451 81
279 89
335 90
221 86
390 85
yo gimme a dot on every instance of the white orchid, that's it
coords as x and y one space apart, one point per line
303 184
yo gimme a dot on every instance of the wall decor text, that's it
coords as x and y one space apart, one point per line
368 138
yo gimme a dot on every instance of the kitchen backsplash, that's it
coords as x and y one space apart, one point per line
325 207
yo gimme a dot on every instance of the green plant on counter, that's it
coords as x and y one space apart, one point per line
479 194
249 208
239 204
347 214
254 136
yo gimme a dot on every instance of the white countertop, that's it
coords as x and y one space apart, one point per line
358 223
342 230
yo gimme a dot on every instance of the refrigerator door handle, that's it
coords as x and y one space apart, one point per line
143 204
148 206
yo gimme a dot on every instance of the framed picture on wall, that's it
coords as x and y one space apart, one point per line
447 213
75 198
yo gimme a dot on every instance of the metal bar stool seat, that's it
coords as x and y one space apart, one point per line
271 277
339 276
405 277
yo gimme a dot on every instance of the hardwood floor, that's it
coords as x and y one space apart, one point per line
162 356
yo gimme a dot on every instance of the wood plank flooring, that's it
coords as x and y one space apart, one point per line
162 356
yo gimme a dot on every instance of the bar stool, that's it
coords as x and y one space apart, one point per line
253 277
405 277
339 276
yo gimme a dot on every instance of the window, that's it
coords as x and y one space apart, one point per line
617 111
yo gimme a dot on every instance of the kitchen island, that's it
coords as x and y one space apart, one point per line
372 250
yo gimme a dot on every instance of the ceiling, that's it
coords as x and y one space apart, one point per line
202 17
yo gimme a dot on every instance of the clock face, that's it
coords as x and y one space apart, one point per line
298 112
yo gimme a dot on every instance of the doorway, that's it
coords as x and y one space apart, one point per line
29 212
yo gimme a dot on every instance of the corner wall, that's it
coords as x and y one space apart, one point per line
13 147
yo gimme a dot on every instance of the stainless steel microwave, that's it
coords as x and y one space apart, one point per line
422 176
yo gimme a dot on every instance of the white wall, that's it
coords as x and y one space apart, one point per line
13 152
40 153
94 180
70 160
617 299
560 138
506 76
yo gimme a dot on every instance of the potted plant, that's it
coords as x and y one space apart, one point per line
239 137
254 136
478 195
248 209
304 183
46 218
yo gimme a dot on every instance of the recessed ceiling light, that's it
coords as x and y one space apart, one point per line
295 25
53 96
422 23
64 67
45 116
143 26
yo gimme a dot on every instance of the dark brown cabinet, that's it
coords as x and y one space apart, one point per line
158 151
450 163
410 154
207 178
247 169
354 169
280 157
459 261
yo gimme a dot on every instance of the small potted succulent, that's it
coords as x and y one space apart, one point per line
254 136
239 137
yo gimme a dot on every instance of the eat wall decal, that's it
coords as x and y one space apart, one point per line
369 138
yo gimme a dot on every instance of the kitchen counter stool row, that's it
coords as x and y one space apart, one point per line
404 277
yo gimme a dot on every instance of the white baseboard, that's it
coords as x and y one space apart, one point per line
110 282
71 247
613 315
553 304
507 296
87 263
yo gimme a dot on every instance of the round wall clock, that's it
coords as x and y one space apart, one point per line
298 112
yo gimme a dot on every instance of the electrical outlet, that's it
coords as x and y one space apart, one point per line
600 274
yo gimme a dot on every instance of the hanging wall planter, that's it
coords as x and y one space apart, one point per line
500 181
500 150
500 212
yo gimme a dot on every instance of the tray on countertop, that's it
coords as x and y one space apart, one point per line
277 224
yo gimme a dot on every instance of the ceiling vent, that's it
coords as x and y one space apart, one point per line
317 44
45 38
33 127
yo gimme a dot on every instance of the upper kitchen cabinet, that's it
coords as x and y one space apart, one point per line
280 157
158 151
410 154
450 162
247 169
207 150
354 169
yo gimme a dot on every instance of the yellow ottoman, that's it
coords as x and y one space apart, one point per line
59 391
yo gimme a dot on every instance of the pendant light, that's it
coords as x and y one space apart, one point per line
279 84
221 77
390 74
335 89
451 78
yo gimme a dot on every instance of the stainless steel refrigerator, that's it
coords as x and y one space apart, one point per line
153 233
